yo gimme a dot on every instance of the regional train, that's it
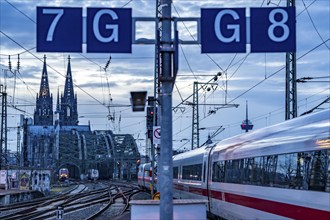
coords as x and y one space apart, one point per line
278 172
63 174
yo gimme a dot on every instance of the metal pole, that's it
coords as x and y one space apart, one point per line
3 141
195 119
291 82
156 74
166 175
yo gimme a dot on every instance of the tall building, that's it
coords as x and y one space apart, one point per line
68 113
43 113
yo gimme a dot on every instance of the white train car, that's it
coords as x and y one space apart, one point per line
189 174
279 172
145 175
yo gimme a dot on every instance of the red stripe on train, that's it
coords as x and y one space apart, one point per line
277 208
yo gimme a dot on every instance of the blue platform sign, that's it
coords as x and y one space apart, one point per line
273 29
223 30
59 29
109 30
227 30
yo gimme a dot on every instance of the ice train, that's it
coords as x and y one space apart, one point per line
278 172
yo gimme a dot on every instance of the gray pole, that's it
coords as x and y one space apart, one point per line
291 82
166 175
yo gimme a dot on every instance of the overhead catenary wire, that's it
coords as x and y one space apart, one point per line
260 82
92 60
311 19
276 72
53 69
25 50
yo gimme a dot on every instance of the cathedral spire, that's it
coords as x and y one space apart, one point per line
43 114
44 85
68 113
68 90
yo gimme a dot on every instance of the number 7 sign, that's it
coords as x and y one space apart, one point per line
50 38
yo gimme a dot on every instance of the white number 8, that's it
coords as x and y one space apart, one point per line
281 24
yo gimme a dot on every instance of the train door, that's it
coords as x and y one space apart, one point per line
208 160
205 178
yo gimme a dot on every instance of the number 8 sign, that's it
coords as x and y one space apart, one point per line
273 29
227 30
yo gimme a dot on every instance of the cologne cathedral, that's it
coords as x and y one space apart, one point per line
54 139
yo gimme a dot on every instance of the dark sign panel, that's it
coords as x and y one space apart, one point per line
273 29
109 30
59 29
227 30
223 30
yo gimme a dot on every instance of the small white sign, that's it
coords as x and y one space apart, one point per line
156 134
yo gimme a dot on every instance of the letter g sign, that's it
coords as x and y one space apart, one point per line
113 27
217 26
223 30
109 30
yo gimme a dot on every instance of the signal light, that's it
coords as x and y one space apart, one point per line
138 100
150 117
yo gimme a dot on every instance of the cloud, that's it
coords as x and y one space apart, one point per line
135 71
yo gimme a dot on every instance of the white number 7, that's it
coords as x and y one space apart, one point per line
52 27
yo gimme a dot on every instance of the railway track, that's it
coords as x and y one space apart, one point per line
79 203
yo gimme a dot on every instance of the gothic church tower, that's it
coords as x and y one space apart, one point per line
43 114
68 113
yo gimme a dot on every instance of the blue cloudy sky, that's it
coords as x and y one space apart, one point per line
258 78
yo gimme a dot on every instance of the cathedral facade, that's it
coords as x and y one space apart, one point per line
66 107
54 139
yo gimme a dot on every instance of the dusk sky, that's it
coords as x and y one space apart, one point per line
258 78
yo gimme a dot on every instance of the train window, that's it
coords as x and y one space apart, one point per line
218 174
175 172
146 173
285 171
304 171
233 171
319 171
192 172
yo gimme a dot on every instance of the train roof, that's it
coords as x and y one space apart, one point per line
304 133
196 154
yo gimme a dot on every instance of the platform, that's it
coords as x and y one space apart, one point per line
14 195
183 209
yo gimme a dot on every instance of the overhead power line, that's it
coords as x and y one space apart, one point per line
52 68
